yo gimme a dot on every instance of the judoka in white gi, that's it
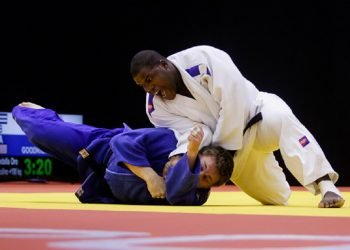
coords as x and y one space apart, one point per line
124 165
202 85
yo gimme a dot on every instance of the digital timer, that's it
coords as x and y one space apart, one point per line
37 167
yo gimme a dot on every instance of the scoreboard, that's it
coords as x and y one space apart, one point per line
21 160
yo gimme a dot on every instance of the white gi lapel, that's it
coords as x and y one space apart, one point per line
200 93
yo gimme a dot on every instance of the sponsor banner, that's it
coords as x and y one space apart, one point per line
10 127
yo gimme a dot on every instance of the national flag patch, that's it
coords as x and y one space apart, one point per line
304 141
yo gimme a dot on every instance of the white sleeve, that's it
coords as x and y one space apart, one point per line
181 125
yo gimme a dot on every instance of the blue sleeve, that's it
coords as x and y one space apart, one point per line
181 184
128 147
148 147
130 189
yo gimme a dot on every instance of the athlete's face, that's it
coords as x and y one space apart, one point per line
209 174
158 80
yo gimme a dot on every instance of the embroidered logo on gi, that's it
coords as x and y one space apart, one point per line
304 141
150 106
79 192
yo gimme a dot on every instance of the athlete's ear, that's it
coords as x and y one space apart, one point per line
163 63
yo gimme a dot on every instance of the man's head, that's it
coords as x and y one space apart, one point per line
216 166
155 74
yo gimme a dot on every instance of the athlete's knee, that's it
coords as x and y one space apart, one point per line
276 195
278 200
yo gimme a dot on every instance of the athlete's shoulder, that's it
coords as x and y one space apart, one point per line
203 47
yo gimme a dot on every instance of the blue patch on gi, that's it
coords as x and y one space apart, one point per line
150 106
304 141
194 71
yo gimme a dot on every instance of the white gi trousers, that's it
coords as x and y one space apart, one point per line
258 173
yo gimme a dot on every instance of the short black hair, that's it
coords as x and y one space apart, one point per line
144 58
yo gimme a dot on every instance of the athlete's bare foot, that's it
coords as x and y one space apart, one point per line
30 105
331 200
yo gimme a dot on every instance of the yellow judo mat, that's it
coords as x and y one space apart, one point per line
301 203
50 217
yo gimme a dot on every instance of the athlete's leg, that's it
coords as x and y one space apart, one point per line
46 130
263 179
301 152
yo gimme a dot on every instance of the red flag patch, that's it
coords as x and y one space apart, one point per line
304 141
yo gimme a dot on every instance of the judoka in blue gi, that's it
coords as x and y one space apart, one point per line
112 162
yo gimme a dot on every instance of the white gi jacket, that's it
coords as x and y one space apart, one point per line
224 103
223 99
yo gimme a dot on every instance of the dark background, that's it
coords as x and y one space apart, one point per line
75 58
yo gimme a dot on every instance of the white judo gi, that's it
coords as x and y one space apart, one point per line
224 103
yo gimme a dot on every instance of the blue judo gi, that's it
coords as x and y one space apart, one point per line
105 179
